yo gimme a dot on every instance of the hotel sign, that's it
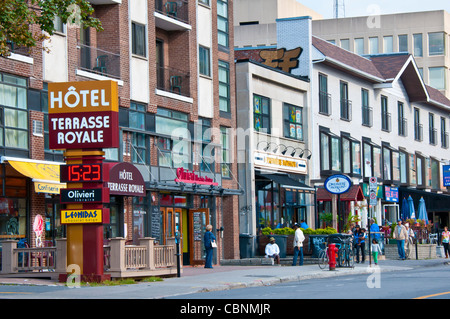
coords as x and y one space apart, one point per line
280 162
83 115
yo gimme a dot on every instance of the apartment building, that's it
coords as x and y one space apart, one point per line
370 116
173 63
425 35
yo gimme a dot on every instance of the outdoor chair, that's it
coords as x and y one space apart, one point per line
171 8
175 83
101 64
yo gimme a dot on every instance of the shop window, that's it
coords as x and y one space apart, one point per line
372 159
293 121
351 155
261 114
330 152
13 112
13 218
436 43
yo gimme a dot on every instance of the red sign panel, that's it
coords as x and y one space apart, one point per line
193 178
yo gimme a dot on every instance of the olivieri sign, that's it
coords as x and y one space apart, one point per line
83 115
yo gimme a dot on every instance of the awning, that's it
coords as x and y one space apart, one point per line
354 194
286 182
44 174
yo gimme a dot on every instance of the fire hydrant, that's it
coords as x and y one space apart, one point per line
332 251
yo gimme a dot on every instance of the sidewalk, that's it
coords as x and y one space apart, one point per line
199 279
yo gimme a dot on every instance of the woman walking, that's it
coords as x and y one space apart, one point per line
445 241
210 242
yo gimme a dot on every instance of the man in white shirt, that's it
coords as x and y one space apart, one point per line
298 245
272 250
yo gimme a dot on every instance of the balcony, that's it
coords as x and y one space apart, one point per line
346 110
173 81
367 116
172 15
444 139
402 126
418 132
98 62
324 103
386 122
433 136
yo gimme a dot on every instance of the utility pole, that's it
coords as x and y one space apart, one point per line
339 7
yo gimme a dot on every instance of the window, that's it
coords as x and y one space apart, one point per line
139 148
58 24
373 45
261 114
351 155
226 149
432 129
222 22
293 121
13 112
412 170
391 163
204 61
324 97
436 43
204 151
444 133
137 116
372 159
388 44
345 44
205 2
366 110
418 45
174 148
402 121
403 161
403 43
138 42
418 129
420 171
330 151
359 46
224 86
346 104
435 176
385 115
437 77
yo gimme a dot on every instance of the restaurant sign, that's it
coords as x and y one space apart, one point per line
83 115
192 178
280 162
338 184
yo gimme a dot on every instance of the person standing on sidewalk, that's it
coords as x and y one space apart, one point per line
445 241
299 237
400 234
376 249
360 237
209 238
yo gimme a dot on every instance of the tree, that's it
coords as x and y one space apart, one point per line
17 17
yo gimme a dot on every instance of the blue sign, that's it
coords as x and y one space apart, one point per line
446 175
391 194
338 184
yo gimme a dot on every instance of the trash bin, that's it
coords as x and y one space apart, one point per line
281 241
317 243
246 245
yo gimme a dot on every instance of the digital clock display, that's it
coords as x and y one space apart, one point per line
81 173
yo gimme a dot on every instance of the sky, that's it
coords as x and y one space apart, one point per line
354 8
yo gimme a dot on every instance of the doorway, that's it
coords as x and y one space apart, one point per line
198 220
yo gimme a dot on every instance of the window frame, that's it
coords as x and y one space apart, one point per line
324 96
353 157
221 18
204 61
138 49
334 163
225 67
289 123
264 116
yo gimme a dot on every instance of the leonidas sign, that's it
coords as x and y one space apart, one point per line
83 115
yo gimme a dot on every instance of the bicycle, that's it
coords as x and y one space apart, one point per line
346 257
323 257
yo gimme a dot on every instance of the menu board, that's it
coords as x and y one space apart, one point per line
197 226
155 226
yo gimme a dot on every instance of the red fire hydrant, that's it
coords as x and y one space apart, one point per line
332 251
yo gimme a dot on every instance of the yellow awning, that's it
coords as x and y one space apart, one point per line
41 172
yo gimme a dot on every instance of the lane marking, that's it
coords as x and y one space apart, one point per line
435 295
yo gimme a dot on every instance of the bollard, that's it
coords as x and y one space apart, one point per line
332 250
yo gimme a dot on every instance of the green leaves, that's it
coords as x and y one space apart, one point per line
18 16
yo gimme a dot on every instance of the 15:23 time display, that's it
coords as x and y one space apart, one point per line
81 173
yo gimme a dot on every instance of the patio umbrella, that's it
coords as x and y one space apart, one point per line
422 211
405 210
411 211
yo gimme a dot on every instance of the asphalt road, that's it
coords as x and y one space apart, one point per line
425 283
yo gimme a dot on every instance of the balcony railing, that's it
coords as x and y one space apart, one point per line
98 61
386 122
173 80
418 132
444 139
14 48
403 126
433 136
346 110
178 10
324 103
367 116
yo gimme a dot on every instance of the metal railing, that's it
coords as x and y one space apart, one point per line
418 132
403 126
367 116
173 80
98 61
324 103
346 110
433 136
386 121
14 48
444 140
178 10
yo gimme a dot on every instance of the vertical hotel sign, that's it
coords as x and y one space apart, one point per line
83 115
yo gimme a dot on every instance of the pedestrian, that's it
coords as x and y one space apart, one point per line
273 251
360 237
303 224
400 234
299 237
445 241
376 249
209 242
375 230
